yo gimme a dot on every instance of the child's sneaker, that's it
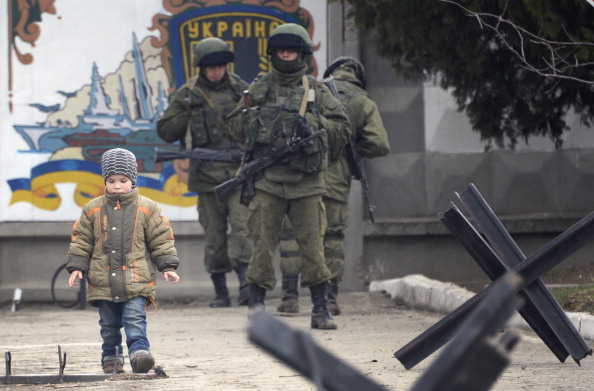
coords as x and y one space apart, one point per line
142 363
114 367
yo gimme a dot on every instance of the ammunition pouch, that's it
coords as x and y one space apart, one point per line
205 125
260 124
312 158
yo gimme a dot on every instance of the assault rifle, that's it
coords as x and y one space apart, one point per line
250 172
354 159
199 155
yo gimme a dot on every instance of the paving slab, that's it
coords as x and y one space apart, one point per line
202 348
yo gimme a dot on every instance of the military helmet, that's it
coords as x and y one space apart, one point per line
290 35
350 62
212 51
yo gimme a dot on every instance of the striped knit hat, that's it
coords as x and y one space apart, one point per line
119 161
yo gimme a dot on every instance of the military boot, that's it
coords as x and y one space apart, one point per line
222 293
320 316
257 296
290 300
244 287
332 297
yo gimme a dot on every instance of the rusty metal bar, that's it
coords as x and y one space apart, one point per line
9 378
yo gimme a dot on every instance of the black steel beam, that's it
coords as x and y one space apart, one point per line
537 294
298 350
538 263
474 361
486 258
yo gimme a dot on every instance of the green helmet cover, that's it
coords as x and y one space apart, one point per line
290 35
212 51
357 68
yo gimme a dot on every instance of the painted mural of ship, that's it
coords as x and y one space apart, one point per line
100 128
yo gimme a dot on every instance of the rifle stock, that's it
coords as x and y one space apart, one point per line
225 189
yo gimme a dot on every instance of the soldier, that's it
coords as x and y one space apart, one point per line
371 139
293 186
196 117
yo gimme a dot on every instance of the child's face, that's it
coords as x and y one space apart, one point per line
118 184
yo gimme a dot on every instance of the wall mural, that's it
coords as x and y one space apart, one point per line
120 107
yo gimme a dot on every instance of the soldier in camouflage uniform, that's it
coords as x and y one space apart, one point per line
371 139
294 186
209 97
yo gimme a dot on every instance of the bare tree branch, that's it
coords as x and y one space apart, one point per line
562 61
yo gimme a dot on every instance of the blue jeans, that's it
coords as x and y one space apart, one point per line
132 317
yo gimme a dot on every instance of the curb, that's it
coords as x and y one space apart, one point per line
419 292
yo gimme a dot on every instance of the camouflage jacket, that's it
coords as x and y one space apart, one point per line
371 138
270 121
208 105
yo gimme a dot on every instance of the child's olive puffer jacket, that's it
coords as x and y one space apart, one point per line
119 243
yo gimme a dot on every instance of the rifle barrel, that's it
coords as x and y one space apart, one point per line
163 155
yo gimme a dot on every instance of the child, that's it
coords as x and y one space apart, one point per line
119 242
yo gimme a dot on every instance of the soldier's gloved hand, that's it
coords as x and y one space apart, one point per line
302 130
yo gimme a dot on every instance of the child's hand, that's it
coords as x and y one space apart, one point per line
171 273
73 276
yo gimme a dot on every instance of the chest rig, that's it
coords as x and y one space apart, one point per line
206 113
276 121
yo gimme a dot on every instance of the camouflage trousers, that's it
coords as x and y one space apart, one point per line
308 219
337 214
224 251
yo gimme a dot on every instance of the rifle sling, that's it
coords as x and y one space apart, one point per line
305 96
188 135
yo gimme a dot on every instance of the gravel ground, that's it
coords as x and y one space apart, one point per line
207 349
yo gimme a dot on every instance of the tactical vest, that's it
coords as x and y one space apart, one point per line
275 123
207 118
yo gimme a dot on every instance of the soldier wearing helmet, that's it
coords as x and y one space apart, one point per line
196 117
371 140
280 99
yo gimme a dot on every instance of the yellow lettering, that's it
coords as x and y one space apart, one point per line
206 26
262 44
260 29
272 26
237 29
193 30
248 28
222 26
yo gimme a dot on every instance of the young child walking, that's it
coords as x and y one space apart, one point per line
120 242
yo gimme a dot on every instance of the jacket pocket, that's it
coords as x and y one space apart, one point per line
138 271
98 272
